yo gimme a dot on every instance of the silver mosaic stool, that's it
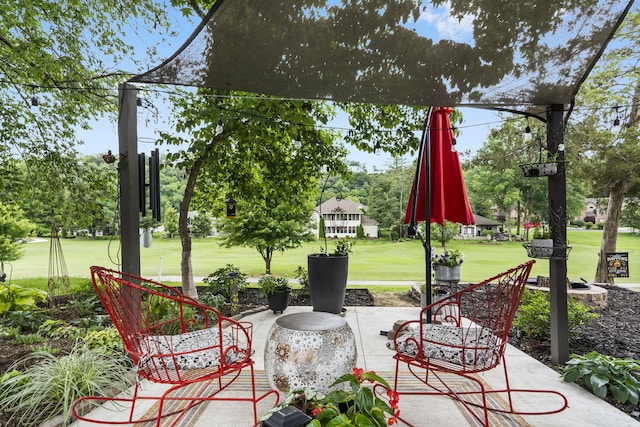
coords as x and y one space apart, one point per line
308 351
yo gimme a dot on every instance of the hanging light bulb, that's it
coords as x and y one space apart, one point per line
616 121
219 127
527 131
298 142
34 101
376 148
139 102
454 141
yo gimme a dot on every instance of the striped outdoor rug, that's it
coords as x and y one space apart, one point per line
242 386
406 382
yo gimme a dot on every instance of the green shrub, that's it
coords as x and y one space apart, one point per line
533 317
45 348
302 275
28 339
212 300
603 374
224 279
26 321
269 284
58 329
108 339
486 233
18 298
50 385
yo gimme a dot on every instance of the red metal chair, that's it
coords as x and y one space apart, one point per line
174 340
467 334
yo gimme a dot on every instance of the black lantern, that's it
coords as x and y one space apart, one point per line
231 207
288 416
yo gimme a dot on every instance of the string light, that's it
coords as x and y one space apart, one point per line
219 127
527 131
454 141
298 142
96 89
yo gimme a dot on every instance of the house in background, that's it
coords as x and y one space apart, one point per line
482 224
342 218
595 211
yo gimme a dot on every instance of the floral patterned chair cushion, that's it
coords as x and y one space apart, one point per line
191 350
468 346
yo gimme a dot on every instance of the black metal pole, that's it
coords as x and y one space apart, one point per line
129 179
558 222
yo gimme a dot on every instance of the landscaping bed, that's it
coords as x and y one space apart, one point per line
616 332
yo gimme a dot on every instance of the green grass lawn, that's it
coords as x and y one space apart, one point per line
376 260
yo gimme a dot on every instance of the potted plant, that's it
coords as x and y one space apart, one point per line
447 265
277 290
437 293
361 405
531 170
541 244
328 277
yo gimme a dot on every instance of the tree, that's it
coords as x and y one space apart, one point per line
59 66
444 233
494 178
610 156
266 152
270 225
388 196
80 191
201 224
171 221
14 229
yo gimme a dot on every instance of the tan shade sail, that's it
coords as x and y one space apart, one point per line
514 54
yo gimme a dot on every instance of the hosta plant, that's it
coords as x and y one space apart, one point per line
602 374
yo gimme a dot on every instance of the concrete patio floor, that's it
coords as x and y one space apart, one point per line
366 322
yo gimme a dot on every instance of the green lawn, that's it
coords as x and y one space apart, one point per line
372 259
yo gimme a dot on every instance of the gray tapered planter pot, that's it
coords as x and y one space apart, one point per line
327 281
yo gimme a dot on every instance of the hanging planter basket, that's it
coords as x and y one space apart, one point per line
540 248
531 170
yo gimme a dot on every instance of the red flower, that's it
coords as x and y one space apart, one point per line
358 373
315 412
372 380
393 398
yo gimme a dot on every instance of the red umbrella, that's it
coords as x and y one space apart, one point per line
448 193
443 195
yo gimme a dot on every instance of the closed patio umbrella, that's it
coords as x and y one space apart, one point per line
438 191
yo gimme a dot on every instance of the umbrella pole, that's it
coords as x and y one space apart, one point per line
427 220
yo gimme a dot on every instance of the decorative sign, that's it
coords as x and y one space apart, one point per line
618 264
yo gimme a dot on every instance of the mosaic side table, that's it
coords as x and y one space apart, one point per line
308 350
